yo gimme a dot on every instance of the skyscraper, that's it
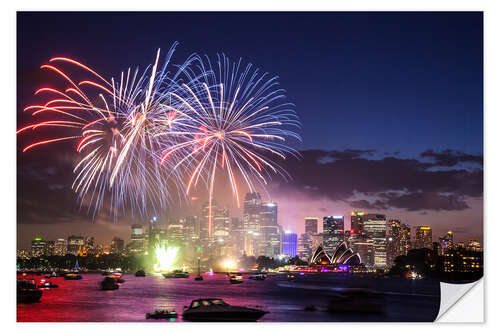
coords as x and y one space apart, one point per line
446 243
237 234
269 232
397 240
357 221
311 225
221 223
375 228
117 245
305 246
423 237
60 247
75 244
38 247
290 243
251 212
137 239
333 232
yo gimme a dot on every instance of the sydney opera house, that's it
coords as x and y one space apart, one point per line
342 258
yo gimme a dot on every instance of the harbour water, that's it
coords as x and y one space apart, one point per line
83 301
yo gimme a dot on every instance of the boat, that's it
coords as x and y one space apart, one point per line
215 309
109 283
176 274
162 314
236 279
72 276
259 277
27 292
47 284
140 273
290 277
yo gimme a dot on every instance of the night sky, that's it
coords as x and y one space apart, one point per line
391 106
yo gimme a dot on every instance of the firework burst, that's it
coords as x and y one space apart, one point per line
231 118
113 125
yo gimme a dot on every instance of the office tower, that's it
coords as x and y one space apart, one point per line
423 237
75 244
304 246
357 222
222 223
38 246
446 243
333 233
251 212
290 243
364 246
473 245
191 228
60 247
237 234
394 235
405 240
117 245
50 248
311 225
269 231
375 228
137 239
175 234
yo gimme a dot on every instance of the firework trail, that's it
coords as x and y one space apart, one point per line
230 118
113 125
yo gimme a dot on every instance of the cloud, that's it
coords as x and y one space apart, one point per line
390 182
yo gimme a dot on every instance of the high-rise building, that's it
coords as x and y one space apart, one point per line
375 228
365 247
38 247
357 222
75 244
473 245
405 240
398 240
222 224
206 225
60 247
175 234
423 237
137 239
117 245
305 247
237 234
446 243
252 207
333 232
269 231
290 243
311 225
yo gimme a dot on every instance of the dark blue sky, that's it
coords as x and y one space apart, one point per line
403 82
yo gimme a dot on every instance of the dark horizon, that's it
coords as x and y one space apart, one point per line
391 106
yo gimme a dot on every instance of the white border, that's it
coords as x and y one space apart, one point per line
8 123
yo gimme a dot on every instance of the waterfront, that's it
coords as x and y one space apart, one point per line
81 300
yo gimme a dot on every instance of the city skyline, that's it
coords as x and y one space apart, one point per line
401 150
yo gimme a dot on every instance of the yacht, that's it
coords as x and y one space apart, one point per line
215 309
176 274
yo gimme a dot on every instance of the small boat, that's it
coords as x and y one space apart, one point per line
176 274
140 273
199 278
47 284
236 279
162 314
72 276
290 276
27 292
259 277
109 283
215 309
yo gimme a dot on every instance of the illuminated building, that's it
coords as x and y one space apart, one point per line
38 247
423 237
342 255
398 240
60 247
191 228
251 212
375 228
206 210
364 246
446 243
175 234
75 244
304 246
333 232
221 223
290 243
137 239
237 234
357 222
473 245
117 245
311 225
463 261
269 231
